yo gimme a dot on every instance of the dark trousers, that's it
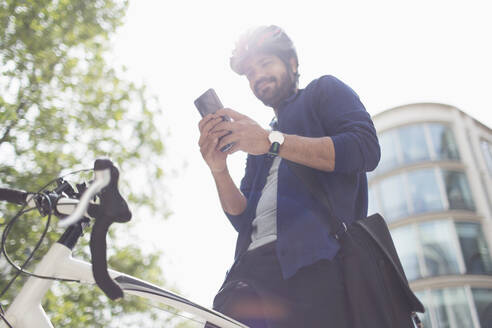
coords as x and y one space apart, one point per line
256 294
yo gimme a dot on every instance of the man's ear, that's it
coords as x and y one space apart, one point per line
293 64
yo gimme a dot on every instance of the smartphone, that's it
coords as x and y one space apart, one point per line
209 103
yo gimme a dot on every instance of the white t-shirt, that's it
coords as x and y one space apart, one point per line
265 222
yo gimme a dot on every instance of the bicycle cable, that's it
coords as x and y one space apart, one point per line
5 320
8 227
2 316
20 270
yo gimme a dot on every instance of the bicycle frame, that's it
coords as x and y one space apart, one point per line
26 310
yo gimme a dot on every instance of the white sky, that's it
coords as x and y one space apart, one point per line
390 52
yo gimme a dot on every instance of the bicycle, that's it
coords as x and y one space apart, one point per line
74 208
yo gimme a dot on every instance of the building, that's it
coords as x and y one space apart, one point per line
434 188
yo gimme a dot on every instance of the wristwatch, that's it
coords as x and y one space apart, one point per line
276 139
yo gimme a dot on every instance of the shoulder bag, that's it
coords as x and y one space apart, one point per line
377 289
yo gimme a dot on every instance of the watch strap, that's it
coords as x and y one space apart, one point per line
274 149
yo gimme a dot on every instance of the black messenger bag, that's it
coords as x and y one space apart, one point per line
377 289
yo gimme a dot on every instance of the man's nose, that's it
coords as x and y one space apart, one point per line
260 75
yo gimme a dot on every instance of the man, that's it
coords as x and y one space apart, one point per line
284 252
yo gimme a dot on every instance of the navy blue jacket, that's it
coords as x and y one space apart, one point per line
326 107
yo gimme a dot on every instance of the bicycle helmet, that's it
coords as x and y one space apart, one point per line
264 39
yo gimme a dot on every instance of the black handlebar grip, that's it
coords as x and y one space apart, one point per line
99 261
13 196
112 208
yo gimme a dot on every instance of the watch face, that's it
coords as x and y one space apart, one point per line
276 136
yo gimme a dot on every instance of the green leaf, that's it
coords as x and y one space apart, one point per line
62 105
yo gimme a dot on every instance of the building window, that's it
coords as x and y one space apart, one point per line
419 191
389 151
487 154
443 143
474 247
483 304
373 205
457 191
453 308
446 308
416 143
442 247
407 246
424 296
424 191
413 143
439 249
393 194
450 308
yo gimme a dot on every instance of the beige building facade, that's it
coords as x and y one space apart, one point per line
434 187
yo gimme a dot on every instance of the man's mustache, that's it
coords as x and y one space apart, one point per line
263 80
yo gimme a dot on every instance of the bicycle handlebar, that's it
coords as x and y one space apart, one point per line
13 196
112 208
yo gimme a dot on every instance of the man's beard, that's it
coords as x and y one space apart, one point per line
282 90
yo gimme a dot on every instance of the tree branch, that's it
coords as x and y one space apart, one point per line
6 134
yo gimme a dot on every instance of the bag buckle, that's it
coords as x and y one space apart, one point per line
416 320
344 228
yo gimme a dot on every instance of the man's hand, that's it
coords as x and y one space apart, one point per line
246 134
231 198
209 140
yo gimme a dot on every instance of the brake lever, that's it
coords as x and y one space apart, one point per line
102 178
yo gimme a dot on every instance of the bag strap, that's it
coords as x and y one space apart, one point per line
312 182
